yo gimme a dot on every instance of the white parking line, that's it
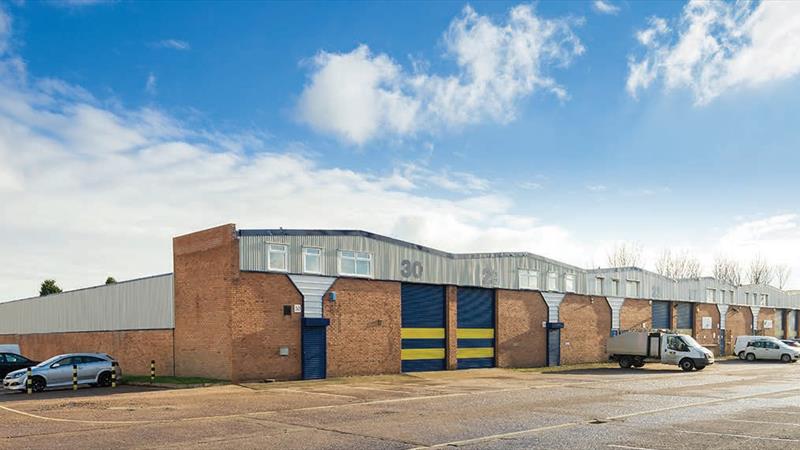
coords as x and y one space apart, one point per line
498 436
628 447
300 391
740 436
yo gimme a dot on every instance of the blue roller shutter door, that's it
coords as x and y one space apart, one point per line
475 333
660 311
684 316
422 327
314 352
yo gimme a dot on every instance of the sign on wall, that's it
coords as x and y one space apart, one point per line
768 323
707 323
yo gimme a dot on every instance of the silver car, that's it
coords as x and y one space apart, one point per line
93 369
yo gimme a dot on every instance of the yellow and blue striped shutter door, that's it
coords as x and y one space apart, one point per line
423 323
475 328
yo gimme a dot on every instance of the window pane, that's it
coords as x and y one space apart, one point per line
348 265
348 255
312 263
362 255
523 279
277 260
362 267
533 280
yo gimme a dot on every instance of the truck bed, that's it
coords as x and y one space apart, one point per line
631 343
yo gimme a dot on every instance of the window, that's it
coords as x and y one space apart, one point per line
632 289
355 263
552 281
614 287
312 260
569 283
528 279
598 285
276 257
764 298
710 295
746 297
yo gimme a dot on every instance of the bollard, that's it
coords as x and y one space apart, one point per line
74 377
29 382
152 371
113 374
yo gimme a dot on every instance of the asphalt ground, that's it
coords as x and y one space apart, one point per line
731 405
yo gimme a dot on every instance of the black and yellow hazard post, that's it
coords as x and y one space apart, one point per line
74 377
29 381
113 374
152 371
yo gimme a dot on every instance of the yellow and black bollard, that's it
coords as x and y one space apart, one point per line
113 374
152 371
74 377
29 381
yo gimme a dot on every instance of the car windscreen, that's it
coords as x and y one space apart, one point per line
690 341
49 361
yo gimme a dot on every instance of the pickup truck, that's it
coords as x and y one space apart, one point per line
635 348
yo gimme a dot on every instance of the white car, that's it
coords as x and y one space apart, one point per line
770 349
742 342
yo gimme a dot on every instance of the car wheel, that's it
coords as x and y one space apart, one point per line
104 379
625 362
687 365
638 364
741 355
786 358
38 384
751 357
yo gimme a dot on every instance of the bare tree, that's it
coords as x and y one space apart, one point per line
727 270
782 273
678 265
760 271
626 254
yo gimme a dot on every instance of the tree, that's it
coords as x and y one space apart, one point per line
760 271
49 287
727 270
782 273
110 280
678 265
625 254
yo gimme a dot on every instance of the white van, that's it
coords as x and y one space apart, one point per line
742 341
764 347
9 348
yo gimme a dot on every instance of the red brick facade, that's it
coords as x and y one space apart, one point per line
520 336
763 315
133 349
587 326
708 338
738 322
636 314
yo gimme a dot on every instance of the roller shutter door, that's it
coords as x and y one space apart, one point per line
778 323
660 311
423 323
683 313
314 352
475 328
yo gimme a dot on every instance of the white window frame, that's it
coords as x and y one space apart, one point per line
615 287
569 277
356 254
552 281
711 295
527 275
635 284
321 260
599 282
285 251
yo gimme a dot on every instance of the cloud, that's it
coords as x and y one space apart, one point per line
360 96
150 84
174 44
715 47
605 7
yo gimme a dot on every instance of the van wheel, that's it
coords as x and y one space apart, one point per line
751 357
625 362
741 355
38 384
687 365
104 379
786 358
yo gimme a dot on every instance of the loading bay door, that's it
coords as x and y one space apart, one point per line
475 333
422 327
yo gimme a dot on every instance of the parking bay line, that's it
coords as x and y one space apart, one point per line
741 436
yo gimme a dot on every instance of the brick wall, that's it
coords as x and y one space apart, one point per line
707 338
364 330
133 349
259 328
587 325
206 265
451 327
738 322
520 337
636 314
766 314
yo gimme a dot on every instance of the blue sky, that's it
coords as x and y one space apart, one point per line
561 128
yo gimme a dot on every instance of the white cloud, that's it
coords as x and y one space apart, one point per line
359 96
605 7
175 44
719 46
150 84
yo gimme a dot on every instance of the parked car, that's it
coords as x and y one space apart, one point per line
10 362
791 343
742 342
771 349
93 369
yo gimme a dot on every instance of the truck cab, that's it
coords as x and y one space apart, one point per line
682 349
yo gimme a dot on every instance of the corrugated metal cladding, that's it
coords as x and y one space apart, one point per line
660 314
422 333
145 303
312 288
400 261
475 332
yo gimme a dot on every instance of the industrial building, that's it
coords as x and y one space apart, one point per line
305 304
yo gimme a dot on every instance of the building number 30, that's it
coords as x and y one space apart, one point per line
410 269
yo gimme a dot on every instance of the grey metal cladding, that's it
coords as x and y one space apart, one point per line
396 260
145 303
